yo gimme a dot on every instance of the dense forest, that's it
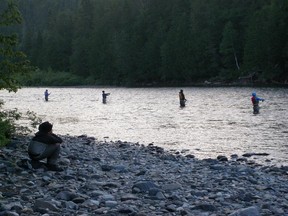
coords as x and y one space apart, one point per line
155 42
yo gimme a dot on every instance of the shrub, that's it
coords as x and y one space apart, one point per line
12 121
5 132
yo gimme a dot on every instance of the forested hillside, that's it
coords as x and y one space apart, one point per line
126 42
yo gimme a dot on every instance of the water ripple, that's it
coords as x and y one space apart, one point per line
215 120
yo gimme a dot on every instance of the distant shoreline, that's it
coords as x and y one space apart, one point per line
212 85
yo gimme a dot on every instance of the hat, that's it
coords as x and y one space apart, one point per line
45 127
253 94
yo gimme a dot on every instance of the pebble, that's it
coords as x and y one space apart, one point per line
122 178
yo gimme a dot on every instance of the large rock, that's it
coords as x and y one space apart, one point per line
250 211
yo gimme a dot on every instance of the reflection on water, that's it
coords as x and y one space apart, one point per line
215 120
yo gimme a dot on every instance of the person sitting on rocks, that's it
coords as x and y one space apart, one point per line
45 145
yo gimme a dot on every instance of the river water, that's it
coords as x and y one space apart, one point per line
215 121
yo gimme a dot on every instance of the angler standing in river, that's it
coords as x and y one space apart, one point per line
255 101
182 98
46 94
104 96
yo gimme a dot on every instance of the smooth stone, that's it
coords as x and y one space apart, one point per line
250 211
143 186
110 203
42 204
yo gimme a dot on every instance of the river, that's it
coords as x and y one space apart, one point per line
215 121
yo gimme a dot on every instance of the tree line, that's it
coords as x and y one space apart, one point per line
12 63
124 42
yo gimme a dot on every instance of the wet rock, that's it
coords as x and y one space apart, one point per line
190 156
254 154
248 154
222 158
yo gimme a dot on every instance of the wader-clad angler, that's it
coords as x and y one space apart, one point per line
182 98
104 96
255 101
46 95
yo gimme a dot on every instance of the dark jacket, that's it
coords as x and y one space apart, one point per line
47 138
181 96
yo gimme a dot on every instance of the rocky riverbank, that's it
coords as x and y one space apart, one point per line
120 178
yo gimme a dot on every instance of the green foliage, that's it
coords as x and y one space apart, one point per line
228 47
12 121
10 15
266 46
51 78
156 41
13 64
5 132
12 61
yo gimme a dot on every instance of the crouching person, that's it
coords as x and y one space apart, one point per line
45 145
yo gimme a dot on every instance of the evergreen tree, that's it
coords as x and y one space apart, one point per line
152 41
81 43
266 40
228 49
12 61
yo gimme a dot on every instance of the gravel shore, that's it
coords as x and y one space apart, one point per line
122 178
